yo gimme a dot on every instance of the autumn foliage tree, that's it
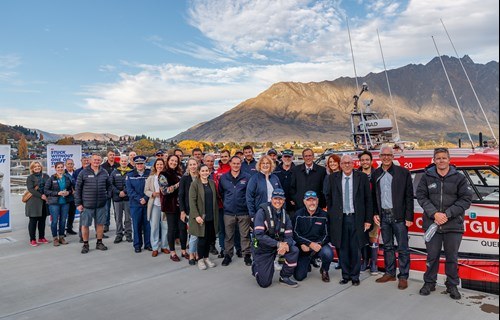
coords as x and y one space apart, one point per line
22 149
189 145
145 147
66 141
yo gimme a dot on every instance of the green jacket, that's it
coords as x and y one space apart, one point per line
197 207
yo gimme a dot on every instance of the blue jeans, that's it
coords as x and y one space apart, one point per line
390 229
58 214
156 224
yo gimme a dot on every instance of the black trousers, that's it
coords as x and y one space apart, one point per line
451 243
38 222
71 215
204 242
350 254
176 226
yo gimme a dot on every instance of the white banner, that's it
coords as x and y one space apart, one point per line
5 224
60 153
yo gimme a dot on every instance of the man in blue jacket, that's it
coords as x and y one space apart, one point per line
232 189
273 235
91 194
136 179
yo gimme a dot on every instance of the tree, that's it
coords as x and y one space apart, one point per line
66 141
189 145
22 149
145 147
41 137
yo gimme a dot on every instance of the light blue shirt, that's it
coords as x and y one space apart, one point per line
351 203
386 190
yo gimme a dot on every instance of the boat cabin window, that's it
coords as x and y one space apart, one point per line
485 182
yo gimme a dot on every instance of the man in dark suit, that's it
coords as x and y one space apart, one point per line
307 177
350 215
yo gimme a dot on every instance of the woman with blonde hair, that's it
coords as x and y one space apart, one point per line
261 184
156 219
184 185
36 207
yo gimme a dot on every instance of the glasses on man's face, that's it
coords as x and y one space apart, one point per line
386 154
346 162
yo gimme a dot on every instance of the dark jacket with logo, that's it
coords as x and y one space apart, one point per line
135 187
92 188
401 189
184 185
256 193
117 180
450 194
52 189
233 193
311 228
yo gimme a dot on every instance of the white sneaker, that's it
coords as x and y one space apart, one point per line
209 263
202 265
277 266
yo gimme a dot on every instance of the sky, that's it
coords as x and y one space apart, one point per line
158 67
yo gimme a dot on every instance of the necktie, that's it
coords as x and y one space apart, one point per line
347 200
308 170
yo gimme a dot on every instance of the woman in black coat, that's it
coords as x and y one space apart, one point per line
36 207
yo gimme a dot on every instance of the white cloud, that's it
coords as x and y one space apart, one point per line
9 61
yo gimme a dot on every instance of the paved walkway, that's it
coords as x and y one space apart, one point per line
46 282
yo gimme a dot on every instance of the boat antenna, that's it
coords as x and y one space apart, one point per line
366 136
470 83
453 92
388 85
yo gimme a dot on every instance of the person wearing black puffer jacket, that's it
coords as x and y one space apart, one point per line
91 194
444 194
121 205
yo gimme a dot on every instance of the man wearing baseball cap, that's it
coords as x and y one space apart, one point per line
274 156
311 235
284 172
273 236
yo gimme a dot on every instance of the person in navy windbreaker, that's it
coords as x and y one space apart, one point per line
135 183
261 185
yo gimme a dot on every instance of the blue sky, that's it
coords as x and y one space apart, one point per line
158 67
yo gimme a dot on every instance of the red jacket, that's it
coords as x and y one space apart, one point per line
223 168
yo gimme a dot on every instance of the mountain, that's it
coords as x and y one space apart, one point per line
86 136
319 111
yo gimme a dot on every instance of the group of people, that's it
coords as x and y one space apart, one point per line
275 214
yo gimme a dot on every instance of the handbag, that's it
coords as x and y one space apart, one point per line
26 196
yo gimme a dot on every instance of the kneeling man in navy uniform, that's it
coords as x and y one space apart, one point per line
273 235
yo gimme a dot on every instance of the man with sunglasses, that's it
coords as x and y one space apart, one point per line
393 212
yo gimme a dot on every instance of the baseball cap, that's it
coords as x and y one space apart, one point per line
287 153
278 193
272 151
310 194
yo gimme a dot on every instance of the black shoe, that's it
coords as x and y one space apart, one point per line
129 239
221 254
427 289
81 240
213 250
101 246
105 236
453 291
85 248
148 248
288 282
227 260
314 263
70 231
248 260
106 228
355 283
338 267
192 262
118 239
239 254
137 250
344 281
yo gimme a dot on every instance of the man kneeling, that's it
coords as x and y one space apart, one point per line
311 235
273 235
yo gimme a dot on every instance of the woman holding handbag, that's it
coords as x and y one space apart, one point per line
36 206
59 191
